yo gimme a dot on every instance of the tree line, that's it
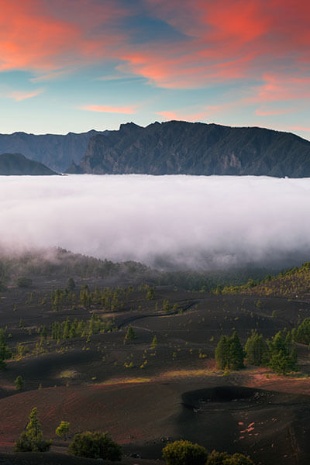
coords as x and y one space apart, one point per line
278 353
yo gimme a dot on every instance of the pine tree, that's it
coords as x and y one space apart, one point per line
283 356
229 353
31 440
130 334
5 352
256 349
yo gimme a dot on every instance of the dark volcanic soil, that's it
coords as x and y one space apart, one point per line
145 395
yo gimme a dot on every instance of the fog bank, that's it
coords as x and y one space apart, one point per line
198 222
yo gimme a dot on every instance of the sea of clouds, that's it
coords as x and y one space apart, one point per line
195 221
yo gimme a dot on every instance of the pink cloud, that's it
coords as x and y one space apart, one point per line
194 115
231 39
24 95
109 109
272 112
48 36
279 87
217 41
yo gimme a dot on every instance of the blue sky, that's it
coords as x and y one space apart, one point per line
76 65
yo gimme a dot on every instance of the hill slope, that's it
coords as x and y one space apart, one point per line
293 283
16 164
54 150
178 147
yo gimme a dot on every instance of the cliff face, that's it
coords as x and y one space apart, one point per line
179 147
55 151
17 165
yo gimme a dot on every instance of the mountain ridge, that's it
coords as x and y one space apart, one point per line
57 151
180 147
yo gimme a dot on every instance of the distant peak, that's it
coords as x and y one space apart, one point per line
129 126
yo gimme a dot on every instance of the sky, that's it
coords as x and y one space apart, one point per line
75 65
198 222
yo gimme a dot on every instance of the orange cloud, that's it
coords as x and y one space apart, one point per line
109 109
44 36
214 41
231 39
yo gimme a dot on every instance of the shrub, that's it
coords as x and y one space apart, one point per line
62 429
222 458
95 445
184 453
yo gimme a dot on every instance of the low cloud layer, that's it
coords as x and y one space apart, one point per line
199 222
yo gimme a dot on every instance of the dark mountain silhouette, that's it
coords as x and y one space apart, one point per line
178 147
53 150
17 164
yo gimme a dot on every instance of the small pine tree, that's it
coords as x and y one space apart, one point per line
62 429
229 353
130 334
19 383
236 353
283 356
31 440
222 353
154 342
256 349
5 352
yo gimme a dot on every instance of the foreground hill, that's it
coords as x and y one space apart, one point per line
17 164
54 150
178 147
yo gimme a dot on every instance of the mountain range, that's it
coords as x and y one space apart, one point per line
53 150
174 147
178 147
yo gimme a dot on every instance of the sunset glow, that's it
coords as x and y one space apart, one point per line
231 62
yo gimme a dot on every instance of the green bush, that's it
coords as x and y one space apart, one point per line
184 453
27 444
222 458
95 445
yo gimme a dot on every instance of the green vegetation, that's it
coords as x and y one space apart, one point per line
31 440
291 283
95 445
222 458
19 383
301 334
63 429
229 354
130 335
256 350
283 356
184 453
278 353
69 329
5 352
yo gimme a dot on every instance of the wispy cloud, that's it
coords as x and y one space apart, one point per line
24 95
213 40
109 109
